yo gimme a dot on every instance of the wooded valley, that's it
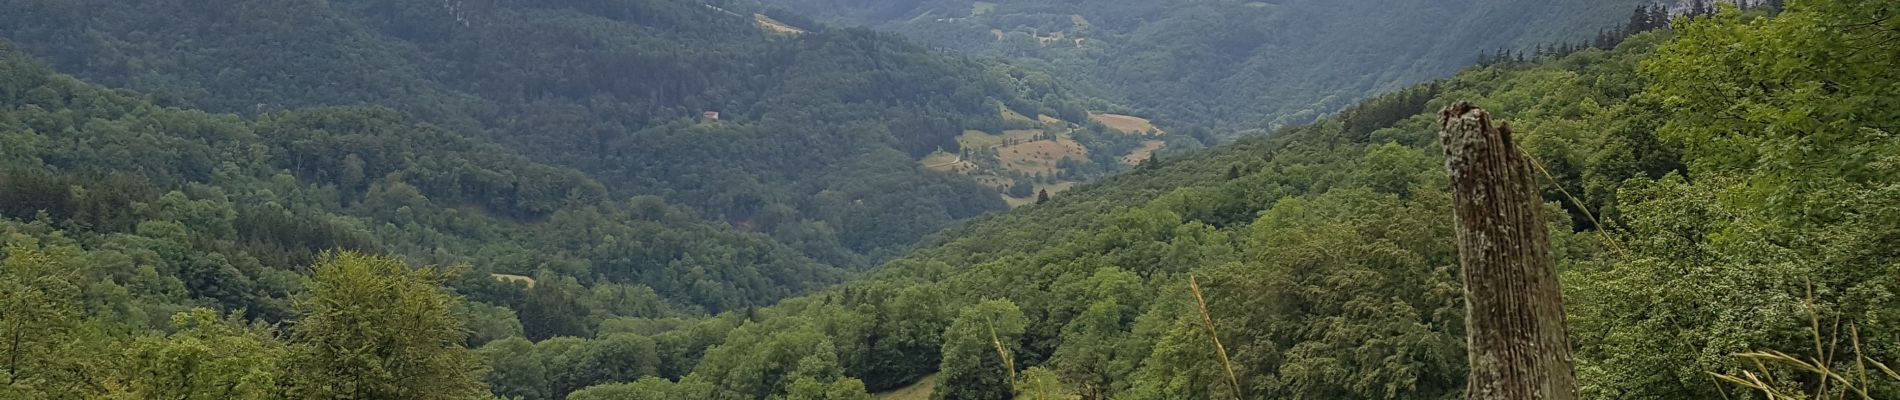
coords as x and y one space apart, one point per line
494 199
1242 67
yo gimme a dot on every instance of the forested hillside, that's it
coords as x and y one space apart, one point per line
182 208
1717 185
1325 258
1234 64
818 137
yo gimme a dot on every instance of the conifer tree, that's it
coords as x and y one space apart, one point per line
1639 22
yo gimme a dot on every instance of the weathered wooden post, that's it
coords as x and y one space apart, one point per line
1514 314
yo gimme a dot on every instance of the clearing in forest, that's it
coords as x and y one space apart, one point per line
1126 123
514 278
1020 135
946 162
1020 150
1000 183
976 140
776 27
1146 150
1052 188
1039 156
952 163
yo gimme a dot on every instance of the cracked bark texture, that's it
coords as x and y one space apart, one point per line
1514 315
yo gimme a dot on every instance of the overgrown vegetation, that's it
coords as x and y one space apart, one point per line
1721 194
1324 257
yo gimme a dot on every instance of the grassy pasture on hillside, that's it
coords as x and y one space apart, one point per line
1039 157
977 140
513 278
1142 153
943 162
1052 188
775 26
1126 123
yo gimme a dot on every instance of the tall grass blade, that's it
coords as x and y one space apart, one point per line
1009 362
1602 230
1233 381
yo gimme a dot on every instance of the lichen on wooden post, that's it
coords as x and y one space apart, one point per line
1514 316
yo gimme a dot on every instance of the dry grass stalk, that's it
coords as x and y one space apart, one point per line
1009 363
1233 381
1764 382
1602 230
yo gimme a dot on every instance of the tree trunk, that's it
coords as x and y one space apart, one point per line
1514 315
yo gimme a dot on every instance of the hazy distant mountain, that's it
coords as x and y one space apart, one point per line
1234 63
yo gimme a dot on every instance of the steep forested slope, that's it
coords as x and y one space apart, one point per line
1732 177
192 208
1325 257
1234 63
817 142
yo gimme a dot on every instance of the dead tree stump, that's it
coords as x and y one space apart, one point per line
1514 314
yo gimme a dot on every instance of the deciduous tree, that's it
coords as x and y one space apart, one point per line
373 327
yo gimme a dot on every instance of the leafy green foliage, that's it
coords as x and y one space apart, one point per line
371 327
1717 189
515 371
207 357
979 353
1324 256
1787 125
41 311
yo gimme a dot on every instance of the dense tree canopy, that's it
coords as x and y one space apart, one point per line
372 327
1717 185
197 209
816 143
1324 256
